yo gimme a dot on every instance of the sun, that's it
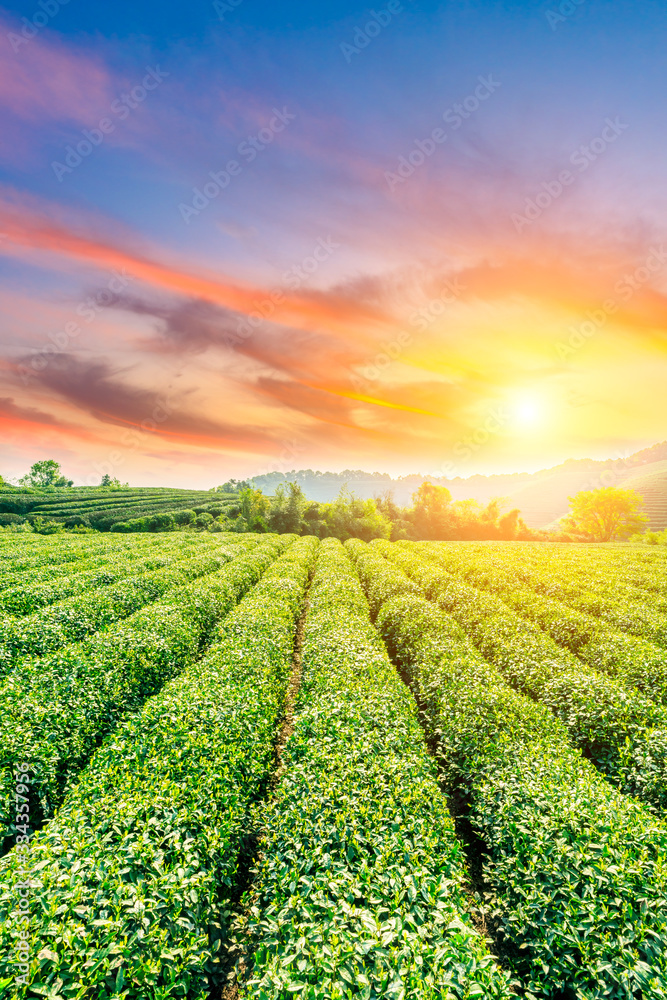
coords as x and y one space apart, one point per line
527 411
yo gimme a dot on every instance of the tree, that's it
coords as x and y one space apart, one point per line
255 509
512 525
432 515
108 483
233 486
604 514
350 517
45 474
288 509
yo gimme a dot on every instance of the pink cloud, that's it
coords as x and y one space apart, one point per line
43 81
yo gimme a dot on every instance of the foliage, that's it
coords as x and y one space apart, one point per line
288 508
109 483
43 527
361 886
621 730
6 519
606 514
233 486
146 914
145 679
55 710
432 513
45 474
651 537
569 858
94 569
254 509
184 517
71 619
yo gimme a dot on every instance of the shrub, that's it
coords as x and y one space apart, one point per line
184 517
44 527
161 522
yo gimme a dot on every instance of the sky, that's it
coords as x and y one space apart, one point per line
241 237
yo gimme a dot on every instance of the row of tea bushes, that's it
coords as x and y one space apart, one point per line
132 881
56 710
577 872
360 890
623 732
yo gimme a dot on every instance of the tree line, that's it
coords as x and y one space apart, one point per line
606 514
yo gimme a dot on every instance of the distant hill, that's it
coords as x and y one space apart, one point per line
542 496
651 483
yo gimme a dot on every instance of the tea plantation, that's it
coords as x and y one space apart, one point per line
264 767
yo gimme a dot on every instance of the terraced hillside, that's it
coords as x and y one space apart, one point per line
267 767
545 500
651 484
101 509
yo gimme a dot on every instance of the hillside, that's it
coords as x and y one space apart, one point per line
542 496
651 483
101 508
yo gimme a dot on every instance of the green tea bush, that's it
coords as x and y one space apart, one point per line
55 710
577 872
158 819
361 886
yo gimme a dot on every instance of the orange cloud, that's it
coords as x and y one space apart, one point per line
25 227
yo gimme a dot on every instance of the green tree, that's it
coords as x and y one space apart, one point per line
45 474
288 509
233 486
432 514
350 517
255 508
605 514
108 483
